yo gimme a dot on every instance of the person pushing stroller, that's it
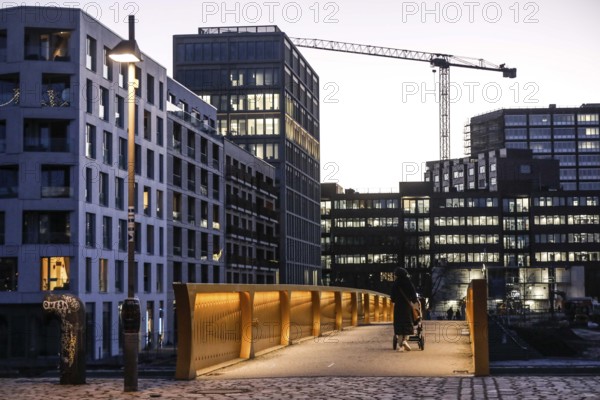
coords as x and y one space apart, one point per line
403 296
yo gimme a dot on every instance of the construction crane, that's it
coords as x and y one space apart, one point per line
441 61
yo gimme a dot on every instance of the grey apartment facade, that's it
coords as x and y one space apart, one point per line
63 188
63 178
267 97
570 135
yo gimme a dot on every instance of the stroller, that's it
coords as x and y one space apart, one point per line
417 335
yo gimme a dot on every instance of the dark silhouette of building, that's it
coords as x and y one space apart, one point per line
519 231
267 97
570 135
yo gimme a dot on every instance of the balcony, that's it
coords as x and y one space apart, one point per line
45 44
56 191
176 216
56 97
9 90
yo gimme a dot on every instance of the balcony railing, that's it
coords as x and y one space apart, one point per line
56 191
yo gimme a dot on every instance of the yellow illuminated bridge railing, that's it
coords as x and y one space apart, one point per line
221 323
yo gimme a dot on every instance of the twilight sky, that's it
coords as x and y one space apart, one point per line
379 117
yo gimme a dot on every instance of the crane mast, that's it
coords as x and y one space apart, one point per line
439 60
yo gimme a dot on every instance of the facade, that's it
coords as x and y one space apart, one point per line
533 242
267 97
360 237
570 135
63 181
63 188
252 220
195 194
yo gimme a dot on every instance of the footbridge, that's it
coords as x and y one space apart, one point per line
286 331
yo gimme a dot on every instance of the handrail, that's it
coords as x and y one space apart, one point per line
223 323
476 310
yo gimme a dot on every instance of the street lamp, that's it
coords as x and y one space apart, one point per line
129 52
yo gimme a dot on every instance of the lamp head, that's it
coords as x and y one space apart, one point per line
127 50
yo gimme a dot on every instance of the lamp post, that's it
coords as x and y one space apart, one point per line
129 52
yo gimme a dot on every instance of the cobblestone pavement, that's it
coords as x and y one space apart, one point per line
373 388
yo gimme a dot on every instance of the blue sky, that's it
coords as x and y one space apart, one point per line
379 117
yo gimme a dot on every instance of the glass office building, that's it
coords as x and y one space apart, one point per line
570 135
267 97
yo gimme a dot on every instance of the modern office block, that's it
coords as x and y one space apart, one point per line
534 243
267 97
570 135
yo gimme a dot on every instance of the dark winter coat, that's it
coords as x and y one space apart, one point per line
403 314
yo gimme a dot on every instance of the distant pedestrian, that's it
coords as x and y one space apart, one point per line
450 313
457 315
403 295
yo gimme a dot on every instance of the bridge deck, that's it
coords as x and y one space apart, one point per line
364 351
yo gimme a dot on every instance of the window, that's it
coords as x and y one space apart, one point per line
161 243
89 180
150 239
159 278
539 119
88 275
159 131
150 88
90 53
161 176
587 119
89 96
159 204
123 75
46 227
161 93
90 230
512 120
147 277
103 275
147 201
107 148
103 105
138 159
119 193
150 164
177 241
9 273
106 64
90 141
56 181
103 189
120 112
138 237
123 154
55 273
564 119
147 125
177 171
122 234
107 233
119 275
9 181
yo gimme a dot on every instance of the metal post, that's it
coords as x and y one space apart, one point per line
131 307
